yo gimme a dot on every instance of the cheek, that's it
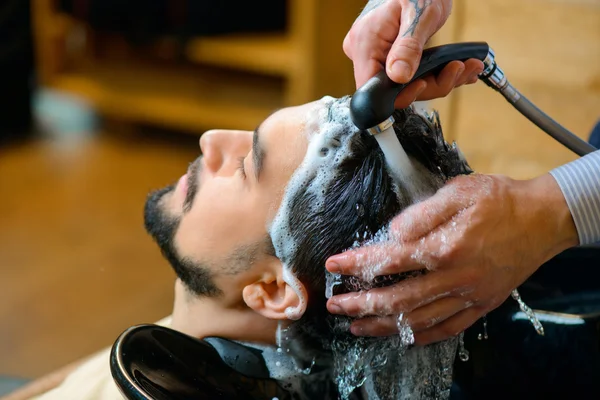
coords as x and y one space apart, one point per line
221 218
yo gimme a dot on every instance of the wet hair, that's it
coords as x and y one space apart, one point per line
361 199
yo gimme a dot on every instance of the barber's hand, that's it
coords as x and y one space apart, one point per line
392 34
477 238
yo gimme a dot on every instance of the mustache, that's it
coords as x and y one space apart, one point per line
192 183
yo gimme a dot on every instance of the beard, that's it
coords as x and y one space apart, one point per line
162 227
159 224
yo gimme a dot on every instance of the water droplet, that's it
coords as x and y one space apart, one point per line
360 210
324 151
407 336
331 281
379 360
306 371
528 312
485 333
279 333
463 353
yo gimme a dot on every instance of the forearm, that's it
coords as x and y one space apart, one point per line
579 182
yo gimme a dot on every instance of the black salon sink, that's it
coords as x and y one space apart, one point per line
152 362
516 362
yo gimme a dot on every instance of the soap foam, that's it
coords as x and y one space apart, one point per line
295 313
329 132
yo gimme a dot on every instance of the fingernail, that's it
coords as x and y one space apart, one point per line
333 265
401 69
357 330
334 308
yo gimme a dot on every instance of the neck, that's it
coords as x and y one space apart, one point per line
202 317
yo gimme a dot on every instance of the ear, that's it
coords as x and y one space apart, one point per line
276 295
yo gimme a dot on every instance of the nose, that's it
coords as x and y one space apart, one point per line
222 149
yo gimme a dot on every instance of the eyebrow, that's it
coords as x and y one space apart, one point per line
258 153
257 150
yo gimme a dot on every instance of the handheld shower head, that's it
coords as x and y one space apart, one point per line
372 105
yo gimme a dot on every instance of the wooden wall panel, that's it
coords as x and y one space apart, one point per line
550 51
497 139
543 41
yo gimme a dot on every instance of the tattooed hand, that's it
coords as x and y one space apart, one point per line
391 34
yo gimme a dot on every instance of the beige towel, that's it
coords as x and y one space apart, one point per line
92 380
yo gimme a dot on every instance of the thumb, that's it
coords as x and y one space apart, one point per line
404 58
416 27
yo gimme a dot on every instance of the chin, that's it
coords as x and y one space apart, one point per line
155 217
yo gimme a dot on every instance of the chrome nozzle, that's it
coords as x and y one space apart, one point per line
377 129
494 77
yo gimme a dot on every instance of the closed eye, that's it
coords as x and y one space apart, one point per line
241 167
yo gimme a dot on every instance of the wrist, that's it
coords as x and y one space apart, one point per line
544 204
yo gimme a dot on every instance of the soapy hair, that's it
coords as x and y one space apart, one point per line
360 201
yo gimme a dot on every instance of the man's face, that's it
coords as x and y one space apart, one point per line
213 223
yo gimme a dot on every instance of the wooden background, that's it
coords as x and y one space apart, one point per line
76 265
550 51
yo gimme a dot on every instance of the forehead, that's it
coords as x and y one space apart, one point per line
285 135
293 137
293 125
330 135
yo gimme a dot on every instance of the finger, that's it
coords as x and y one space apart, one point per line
436 312
473 68
410 94
365 69
420 319
442 84
375 260
368 43
402 297
449 328
470 73
375 326
431 86
405 54
454 75
419 219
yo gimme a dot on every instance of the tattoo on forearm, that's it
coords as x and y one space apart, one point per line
420 7
371 5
